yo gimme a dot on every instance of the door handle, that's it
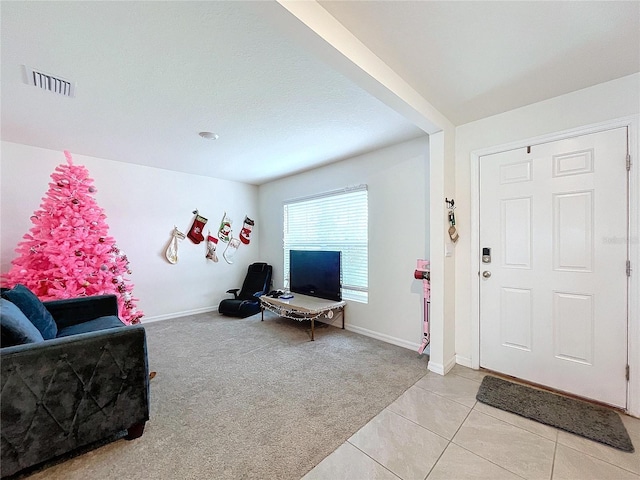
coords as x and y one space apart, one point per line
486 274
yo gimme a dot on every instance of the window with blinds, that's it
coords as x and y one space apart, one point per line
332 221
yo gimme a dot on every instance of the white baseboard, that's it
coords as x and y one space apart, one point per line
464 361
169 316
441 369
385 338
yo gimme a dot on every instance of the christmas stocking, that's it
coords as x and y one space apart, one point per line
224 232
195 234
172 249
245 233
231 250
211 248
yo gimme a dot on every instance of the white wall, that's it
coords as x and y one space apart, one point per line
398 219
142 205
608 101
442 252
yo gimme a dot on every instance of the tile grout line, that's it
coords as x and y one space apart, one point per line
598 458
450 441
442 396
462 423
417 424
467 378
518 426
553 463
438 459
556 441
395 413
365 453
488 460
460 446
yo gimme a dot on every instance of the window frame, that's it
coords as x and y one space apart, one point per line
348 206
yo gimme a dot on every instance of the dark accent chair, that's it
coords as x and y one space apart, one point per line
247 302
88 384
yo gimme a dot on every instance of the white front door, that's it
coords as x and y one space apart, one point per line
553 299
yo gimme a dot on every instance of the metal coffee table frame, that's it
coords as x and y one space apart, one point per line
302 307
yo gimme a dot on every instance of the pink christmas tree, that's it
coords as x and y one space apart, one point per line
68 252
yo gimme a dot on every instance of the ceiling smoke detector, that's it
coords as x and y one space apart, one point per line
209 135
52 83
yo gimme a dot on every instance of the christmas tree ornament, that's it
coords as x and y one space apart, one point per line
172 250
245 233
224 232
68 252
231 250
195 233
211 247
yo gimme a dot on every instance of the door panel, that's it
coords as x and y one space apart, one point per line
515 318
553 303
516 232
573 327
573 231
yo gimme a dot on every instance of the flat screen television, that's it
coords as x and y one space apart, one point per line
315 273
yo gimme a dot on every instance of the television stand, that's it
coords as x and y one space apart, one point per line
302 307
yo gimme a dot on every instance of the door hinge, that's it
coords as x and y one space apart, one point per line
628 162
626 372
628 268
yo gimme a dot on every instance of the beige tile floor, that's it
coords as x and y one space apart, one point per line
437 430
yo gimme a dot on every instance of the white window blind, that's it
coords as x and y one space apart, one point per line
332 221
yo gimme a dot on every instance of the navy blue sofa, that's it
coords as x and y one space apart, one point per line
88 384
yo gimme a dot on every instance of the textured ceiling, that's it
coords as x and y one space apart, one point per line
475 59
151 75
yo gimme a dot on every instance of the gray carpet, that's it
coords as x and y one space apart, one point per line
581 418
245 399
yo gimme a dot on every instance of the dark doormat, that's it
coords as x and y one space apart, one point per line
574 416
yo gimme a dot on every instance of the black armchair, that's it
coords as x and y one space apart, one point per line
247 301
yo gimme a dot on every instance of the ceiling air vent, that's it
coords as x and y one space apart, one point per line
52 83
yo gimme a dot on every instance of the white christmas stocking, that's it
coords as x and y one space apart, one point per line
172 249
231 250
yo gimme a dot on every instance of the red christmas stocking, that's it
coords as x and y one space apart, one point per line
195 234
245 233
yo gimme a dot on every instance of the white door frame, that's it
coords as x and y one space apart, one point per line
633 337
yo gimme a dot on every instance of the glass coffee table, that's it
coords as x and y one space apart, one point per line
302 307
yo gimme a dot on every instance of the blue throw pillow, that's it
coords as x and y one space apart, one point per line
16 327
33 309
